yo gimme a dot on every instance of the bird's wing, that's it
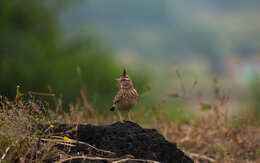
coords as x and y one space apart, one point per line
118 97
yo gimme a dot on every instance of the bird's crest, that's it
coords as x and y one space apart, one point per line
124 73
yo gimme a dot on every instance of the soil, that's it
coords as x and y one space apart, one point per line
126 139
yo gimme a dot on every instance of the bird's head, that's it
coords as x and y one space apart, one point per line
125 81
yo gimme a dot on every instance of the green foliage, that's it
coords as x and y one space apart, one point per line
205 107
255 154
255 92
35 55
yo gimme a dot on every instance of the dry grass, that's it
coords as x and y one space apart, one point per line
211 137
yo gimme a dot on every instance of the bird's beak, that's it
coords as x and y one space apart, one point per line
118 80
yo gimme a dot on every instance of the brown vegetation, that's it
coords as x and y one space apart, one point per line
212 137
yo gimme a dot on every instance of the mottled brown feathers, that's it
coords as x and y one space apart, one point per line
127 96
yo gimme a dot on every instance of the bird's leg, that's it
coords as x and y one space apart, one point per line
120 116
129 116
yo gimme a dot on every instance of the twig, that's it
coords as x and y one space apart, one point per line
72 143
139 160
58 141
5 154
80 142
85 157
178 74
200 156
114 160
42 94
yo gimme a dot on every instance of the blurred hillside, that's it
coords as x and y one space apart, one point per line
203 39
83 45
173 30
36 55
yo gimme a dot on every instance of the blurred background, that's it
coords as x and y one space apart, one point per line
169 47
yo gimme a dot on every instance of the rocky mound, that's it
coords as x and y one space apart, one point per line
126 139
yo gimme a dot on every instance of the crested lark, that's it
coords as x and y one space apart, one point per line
126 97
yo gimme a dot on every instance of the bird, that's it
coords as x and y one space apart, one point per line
126 97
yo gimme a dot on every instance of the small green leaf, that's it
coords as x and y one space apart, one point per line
205 106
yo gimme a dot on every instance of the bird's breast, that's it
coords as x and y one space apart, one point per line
129 99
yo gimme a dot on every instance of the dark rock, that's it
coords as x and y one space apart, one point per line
128 138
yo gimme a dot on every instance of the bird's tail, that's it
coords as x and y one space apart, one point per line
112 108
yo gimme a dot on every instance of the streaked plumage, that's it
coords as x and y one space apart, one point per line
126 97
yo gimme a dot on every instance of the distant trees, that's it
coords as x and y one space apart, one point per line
35 55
